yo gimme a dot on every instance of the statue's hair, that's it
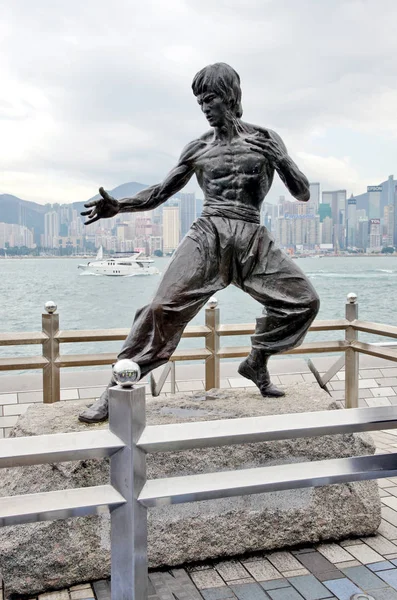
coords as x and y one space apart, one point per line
222 80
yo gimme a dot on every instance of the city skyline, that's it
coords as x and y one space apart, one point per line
87 101
330 221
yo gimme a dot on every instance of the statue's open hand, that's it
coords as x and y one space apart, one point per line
104 208
267 146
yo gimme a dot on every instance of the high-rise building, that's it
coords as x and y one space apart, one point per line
15 236
171 228
374 197
314 201
375 238
187 211
75 226
362 240
351 223
268 215
337 200
388 225
395 216
299 230
51 229
391 226
156 243
327 227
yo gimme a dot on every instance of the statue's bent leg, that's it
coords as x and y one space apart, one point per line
190 280
290 305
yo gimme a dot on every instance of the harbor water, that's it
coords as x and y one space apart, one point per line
88 301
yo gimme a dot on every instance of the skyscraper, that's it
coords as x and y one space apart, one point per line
337 200
314 198
374 197
51 229
388 222
351 223
375 243
171 228
187 211
362 240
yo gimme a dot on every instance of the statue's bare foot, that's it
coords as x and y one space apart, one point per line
97 412
259 374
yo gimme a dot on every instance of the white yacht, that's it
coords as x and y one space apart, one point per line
127 266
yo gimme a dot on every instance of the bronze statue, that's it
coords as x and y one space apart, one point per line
234 163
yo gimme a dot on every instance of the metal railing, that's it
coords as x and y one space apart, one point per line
51 337
130 494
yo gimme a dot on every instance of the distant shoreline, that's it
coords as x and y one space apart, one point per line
294 256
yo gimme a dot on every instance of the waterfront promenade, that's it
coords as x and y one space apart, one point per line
336 570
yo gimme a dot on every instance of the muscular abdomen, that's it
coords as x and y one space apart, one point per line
233 173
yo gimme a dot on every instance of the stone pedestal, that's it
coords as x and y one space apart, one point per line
51 555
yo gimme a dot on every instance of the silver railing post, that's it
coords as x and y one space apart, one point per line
352 364
51 376
212 368
173 378
129 568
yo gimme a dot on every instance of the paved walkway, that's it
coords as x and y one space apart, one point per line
377 386
325 571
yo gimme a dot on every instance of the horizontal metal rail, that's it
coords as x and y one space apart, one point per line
249 328
17 338
58 447
373 350
249 430
108 358
306 348
375 328
210 486
108 335
23 362
47 506
85 335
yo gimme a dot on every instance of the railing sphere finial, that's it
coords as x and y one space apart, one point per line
126 372
50 307
212 302
351 298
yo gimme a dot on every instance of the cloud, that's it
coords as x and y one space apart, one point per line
330 170
98 93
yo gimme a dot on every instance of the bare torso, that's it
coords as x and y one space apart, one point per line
231 171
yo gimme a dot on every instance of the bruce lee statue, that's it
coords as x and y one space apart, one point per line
234 163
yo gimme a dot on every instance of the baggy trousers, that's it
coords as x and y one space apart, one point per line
216 252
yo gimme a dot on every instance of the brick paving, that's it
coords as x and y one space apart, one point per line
324 571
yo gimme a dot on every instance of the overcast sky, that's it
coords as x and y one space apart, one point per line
97 92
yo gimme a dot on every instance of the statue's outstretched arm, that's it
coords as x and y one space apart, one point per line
155 195
147 199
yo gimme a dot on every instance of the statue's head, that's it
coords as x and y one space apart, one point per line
218 91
